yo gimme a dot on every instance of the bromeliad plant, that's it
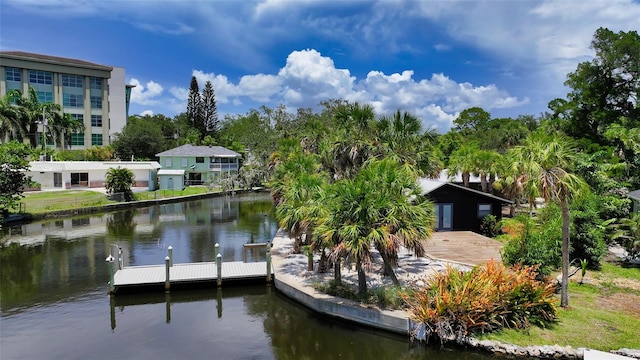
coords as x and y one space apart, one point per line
457 304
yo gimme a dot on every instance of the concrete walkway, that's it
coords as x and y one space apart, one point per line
463 247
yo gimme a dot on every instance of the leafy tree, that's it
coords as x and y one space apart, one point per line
13 165
120 180
141 138
195 112
210 110
605 89
472 120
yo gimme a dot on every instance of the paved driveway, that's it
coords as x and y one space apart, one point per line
464 247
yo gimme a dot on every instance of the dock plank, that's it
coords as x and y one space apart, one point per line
192 272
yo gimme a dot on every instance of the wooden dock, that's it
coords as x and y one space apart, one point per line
170 274
193 272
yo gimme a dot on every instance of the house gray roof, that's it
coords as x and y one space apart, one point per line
635 195
429 185
204 151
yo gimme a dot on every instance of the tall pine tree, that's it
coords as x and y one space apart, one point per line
210 110
194 108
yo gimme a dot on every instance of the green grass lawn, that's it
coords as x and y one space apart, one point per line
161 194
46 201
604 314
40 202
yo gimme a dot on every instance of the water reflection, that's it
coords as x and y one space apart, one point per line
53 286
58 259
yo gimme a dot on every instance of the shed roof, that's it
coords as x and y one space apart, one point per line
430 185
190 150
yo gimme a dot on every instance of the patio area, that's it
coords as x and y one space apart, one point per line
465 247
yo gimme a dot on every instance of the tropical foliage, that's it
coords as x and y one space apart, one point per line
120 180
13 164
456 304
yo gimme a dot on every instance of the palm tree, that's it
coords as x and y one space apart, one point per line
120 180
544 162
462 161
11 124
401 137
381 206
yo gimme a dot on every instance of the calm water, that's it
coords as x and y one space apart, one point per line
54 302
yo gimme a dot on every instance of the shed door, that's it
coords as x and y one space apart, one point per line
444 217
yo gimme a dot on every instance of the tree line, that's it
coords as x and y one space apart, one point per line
337 174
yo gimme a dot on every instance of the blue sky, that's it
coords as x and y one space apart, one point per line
431 58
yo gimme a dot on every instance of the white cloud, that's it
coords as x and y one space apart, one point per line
145 95
147 112
309 78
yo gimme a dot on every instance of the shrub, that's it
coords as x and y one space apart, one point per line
537 244
587 231
456 304
489 226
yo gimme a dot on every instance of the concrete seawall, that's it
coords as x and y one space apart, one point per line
396 321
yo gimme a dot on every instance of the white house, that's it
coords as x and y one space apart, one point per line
89 174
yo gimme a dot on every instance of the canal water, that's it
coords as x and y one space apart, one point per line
54 302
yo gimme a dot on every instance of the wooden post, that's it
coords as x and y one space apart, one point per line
170 250
167 284
268 263
110 261
219 264
216 252
120 259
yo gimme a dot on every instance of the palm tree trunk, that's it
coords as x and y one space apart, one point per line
465 178
337 272
362 278
388 269
566 223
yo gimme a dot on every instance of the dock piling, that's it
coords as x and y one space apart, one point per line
219 268
110 261
170 251
120 259
268 263
167 283
216 251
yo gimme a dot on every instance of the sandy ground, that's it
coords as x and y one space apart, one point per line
410 270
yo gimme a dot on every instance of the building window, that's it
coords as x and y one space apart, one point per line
77 139
40 77
167 162
200 160
96 120
78 117
72 80
81 179
96 102
13 74
185 162
45 97
95 83
72 100
96 139
483 210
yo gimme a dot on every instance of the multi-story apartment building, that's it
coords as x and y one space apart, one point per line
95 94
